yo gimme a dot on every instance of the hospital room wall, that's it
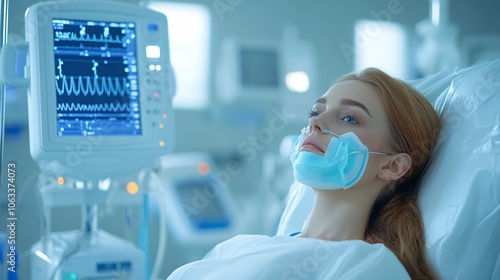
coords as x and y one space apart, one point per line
326 24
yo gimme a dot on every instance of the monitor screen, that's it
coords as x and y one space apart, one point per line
201 203
96 78
259 68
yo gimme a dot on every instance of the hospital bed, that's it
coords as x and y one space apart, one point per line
460 195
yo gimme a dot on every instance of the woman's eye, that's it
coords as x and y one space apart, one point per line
349 119
312 113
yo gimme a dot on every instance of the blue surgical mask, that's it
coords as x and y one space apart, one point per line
341 167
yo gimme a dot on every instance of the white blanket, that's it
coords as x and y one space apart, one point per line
293 258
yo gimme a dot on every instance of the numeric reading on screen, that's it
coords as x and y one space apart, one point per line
96 78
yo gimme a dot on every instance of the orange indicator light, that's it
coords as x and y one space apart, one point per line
132 187
203 168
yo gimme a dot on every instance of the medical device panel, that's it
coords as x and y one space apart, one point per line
101 86
213 215
199 206
102 257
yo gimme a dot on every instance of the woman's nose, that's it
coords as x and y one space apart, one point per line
316 124
319 124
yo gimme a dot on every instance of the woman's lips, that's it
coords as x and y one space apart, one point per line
312 145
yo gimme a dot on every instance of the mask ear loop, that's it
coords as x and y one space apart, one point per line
357 152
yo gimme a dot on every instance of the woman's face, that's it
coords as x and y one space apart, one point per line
349 106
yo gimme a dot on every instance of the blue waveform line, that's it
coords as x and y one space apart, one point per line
99 51
106 107
87 85
70 36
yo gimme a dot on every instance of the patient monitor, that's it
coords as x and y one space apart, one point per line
100 86
460 192
100 89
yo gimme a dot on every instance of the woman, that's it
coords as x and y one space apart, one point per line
367 144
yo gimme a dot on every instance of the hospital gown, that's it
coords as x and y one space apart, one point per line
293 258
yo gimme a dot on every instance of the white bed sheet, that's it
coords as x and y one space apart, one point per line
292 258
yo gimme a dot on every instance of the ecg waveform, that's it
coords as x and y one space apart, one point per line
96 77
94 86
101 107
93 36
73 37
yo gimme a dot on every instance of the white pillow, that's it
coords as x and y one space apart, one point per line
460 197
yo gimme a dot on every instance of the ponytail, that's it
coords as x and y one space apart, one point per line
395 221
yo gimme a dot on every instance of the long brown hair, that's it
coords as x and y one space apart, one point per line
414 126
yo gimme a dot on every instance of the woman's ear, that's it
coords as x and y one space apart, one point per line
396 168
